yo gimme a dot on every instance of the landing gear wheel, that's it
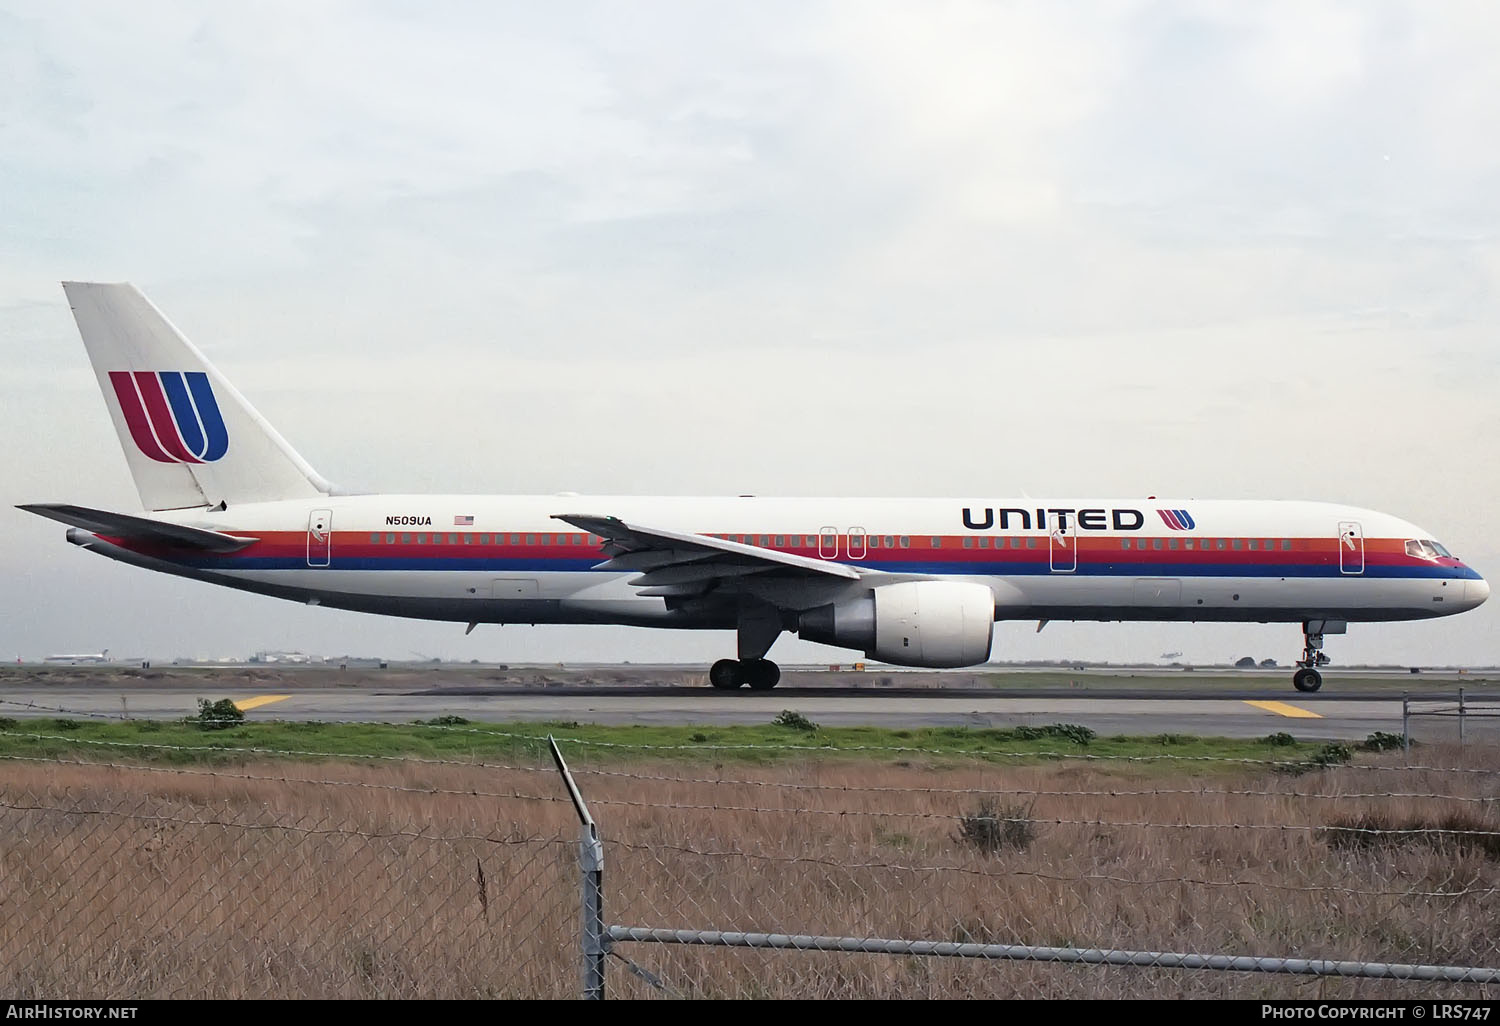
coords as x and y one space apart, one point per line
760 674
725 675
1307 679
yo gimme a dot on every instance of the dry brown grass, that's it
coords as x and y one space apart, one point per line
153 883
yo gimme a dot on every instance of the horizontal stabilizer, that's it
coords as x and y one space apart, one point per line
121 525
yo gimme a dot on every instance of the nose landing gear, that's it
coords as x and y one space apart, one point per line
1307 678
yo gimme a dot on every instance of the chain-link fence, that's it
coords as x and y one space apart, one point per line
744 871
351 882
1366 876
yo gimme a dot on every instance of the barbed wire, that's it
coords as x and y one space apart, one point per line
995 792
35 707
1031 819
1007 871
75 810
1042 792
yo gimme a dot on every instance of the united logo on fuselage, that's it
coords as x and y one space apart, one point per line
172 415
1176 519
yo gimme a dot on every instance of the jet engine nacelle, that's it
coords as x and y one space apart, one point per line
938 624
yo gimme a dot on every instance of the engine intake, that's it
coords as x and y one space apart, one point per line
938 624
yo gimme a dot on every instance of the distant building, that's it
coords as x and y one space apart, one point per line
298 658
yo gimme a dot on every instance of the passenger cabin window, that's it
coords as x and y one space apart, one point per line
374 539
390 539
1239 543
937 543
968 542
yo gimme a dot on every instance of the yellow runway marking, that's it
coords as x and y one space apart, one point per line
1283 709
246 704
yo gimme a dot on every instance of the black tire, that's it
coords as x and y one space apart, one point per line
760 674
1307 680
726 675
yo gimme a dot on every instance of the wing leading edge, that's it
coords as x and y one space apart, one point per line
673 564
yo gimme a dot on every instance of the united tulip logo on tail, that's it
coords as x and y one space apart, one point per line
172 415
1176 519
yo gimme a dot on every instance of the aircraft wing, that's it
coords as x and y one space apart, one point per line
141 529
674 564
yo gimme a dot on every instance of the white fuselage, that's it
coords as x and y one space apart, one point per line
490 559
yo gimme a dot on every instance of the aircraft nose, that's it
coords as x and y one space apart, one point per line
1476 592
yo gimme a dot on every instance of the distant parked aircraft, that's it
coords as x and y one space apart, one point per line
85 657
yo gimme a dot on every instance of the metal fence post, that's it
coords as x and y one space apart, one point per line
1405 722
1460 717
595 947
591 869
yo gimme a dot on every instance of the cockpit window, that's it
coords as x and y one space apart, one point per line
1427 549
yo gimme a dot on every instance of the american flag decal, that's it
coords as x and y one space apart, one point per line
463 521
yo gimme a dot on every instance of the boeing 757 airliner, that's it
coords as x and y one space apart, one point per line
916 582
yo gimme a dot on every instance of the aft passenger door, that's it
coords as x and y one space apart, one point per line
320 537
1351 547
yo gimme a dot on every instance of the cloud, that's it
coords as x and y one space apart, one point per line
959 248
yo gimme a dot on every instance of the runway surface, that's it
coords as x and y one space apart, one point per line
1237 713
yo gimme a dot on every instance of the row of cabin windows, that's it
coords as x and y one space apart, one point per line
1216 544
984 542
874 541
485 539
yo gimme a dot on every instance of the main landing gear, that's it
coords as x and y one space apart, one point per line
758 627
1307 678
759 674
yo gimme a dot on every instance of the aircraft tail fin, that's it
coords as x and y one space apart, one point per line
189 436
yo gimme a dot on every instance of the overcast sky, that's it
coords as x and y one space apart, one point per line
961 249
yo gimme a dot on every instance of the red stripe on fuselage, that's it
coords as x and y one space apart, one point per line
1107 551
